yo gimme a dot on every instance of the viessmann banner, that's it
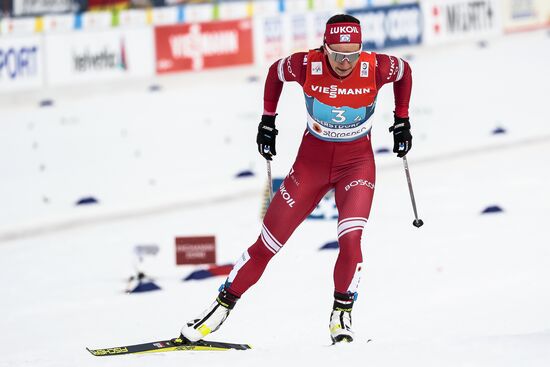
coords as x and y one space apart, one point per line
200 46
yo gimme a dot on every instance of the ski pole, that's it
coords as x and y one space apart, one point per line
270 182
417 222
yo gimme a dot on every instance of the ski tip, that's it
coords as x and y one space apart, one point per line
106 352
94 352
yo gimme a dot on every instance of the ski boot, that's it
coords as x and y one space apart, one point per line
340 318
211 319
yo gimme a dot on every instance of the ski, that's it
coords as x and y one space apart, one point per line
171 345
346 341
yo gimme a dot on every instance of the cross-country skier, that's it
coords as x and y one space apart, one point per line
340 83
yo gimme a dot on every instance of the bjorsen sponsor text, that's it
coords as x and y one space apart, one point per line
344 134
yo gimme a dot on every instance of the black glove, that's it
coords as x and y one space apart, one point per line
402 138
266 136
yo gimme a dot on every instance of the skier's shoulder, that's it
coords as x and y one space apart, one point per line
389 67
298 58
293 67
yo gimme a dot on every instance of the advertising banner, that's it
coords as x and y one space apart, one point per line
165 15
199 46
95 20
270 41
390 26
278 36
296 6
318 22
195 250
99 55
20 63
38 7
58 22
300 30
18 26
356 4
132 18
198 12
456 20
525 15
234 10
265 7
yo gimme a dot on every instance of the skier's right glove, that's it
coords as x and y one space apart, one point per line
402 138
266 136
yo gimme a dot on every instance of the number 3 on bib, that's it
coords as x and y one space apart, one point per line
339 118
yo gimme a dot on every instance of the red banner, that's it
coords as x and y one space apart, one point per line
195 250
198 46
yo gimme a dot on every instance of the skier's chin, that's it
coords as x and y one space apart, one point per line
343 72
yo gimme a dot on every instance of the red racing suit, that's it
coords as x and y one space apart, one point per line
335 153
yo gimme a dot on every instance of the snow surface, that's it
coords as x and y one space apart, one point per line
464 290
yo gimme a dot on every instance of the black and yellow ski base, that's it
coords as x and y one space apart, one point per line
172 345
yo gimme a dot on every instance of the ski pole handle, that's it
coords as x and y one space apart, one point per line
417 222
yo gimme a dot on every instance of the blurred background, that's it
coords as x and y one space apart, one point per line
130 181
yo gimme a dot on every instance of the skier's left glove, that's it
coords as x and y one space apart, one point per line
266 136
402 138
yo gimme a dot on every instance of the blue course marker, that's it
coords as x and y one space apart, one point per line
499 130
245 173
87 201
492 209
330 246
198 275
145 287
212 271
382 150
46 103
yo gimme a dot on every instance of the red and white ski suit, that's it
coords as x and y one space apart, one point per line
335 153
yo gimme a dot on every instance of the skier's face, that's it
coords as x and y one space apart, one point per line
343 57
